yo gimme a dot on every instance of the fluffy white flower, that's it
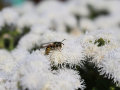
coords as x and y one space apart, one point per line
28 41
87 24
2 87
113 7
35 74
26 21
4 54
33 71
111 41
71 53
96 44
71 82
116 33
7 64
78 7
34 61
59 20
109 21
109 66
39 29
10 15
19 53
33 80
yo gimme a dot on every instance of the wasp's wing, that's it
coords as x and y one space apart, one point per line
45 44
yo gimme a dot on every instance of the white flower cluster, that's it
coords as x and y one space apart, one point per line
32 71
86 30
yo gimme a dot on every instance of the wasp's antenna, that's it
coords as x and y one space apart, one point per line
63 40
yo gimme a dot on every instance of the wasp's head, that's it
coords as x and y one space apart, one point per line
57 44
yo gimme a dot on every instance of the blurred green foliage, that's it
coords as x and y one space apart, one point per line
9 36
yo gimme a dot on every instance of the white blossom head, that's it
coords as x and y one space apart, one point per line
78 7
28 41
33 71
70 53
39 29
97 43
109 66
87 25
26 21
10 15
7 63
71 82
19 54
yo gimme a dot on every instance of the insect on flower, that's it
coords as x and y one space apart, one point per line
52 46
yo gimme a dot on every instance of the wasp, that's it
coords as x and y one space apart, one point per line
52 46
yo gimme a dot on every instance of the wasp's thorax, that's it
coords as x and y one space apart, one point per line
53 46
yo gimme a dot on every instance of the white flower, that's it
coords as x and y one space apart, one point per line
34 61
116 33
33 71
26 21
10 15
58 20
78 7
39 29
19 53
71 82
111 41
4 54
7 66
97 43
7 84
57 57
28 41
35 74
109 21
44 20
71 53
110 65
33 80
2 87
7 63
87 24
